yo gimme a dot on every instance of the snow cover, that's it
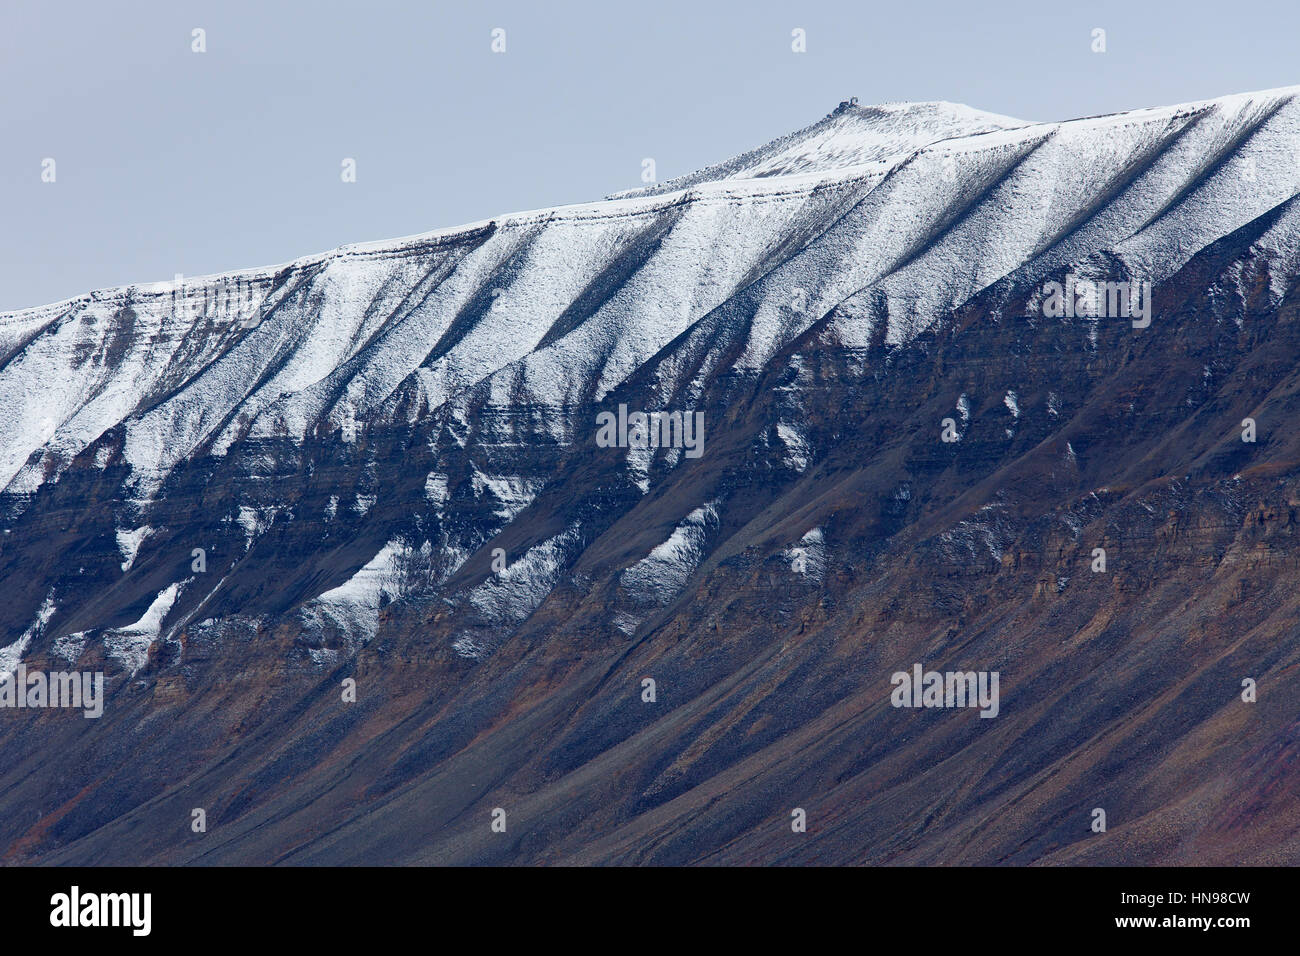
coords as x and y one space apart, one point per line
129 646
797 453
874 220
851 136
511 494
511 595
661 574
11 656
1013 406
931 202
70 646
128 542
354 604
808 557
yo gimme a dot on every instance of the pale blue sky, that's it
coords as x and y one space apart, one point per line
170 161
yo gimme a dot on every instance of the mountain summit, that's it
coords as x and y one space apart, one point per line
852 135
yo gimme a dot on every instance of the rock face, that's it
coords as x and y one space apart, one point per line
386 465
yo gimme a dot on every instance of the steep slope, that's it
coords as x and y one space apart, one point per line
388 457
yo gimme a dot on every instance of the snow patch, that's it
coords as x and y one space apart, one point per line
128 542
11 656
658 577
808 557
354 604
511 595
797 452
70 646
129 646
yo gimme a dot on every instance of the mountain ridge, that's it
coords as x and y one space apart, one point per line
401 243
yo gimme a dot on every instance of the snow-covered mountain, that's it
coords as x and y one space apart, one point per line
389 452
915 207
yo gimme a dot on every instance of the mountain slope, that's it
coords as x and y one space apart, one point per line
350 438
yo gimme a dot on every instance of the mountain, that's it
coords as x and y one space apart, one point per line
393 464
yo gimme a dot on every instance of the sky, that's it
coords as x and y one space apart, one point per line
167 160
